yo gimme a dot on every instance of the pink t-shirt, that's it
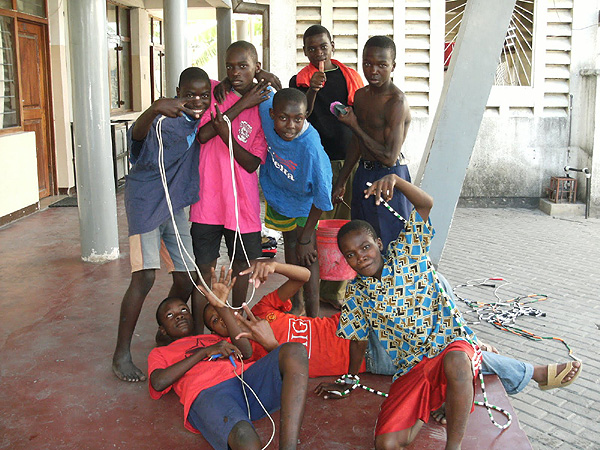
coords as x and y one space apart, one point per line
216 205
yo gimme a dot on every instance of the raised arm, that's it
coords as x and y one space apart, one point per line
242 156
397 120
384 189
170 107
296 276
218 297
258 94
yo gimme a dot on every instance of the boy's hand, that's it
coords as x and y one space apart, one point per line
259 271
270 78
349 119
221 90
219 124
258 330
220 289
382 188
326 390
223 348
317 81
306 254
255 96
337 196
174 107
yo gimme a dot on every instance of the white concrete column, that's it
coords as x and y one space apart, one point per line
61 95
241 30
459 113
223 38
176 59
91 129
283 40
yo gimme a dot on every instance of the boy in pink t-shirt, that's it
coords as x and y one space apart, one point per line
214 215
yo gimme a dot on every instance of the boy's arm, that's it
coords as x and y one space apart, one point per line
296 276
258 330
161 379
218 298
243 157
352 157
305 248
258 94
384 189
170 107
397 117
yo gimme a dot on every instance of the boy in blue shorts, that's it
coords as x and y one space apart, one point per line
202 371
379 122
296 183
148 216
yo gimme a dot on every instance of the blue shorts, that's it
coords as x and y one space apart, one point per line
218 409
386 225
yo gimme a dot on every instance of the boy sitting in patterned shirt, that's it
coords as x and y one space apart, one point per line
397 296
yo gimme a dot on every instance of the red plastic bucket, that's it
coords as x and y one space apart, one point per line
332 265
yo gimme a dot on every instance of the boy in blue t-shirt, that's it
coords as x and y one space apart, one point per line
146 205
296 183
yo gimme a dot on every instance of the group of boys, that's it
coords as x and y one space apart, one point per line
302 147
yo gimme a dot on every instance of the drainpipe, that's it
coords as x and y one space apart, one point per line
242 7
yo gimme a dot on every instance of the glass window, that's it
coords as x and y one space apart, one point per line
6 4
119 57
34 7
111 18
157 59
9 111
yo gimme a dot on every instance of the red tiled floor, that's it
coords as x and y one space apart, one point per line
59 318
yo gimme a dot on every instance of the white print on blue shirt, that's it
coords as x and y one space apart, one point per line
283 165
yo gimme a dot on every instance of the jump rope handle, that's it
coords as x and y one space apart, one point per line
219 355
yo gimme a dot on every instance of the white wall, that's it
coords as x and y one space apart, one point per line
18 172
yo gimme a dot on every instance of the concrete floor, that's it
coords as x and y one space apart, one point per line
58 331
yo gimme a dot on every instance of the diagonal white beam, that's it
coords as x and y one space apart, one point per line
456 123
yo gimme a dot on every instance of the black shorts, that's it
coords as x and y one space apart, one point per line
207 243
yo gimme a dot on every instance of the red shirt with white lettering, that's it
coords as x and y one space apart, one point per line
327 354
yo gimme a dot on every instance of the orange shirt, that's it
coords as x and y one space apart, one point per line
203 375
327 354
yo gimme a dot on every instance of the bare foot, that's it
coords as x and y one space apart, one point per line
125 370
440 414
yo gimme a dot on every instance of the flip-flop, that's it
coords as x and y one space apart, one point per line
554 379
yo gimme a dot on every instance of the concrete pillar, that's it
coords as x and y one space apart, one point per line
91 130
176 59
223 38
283 50
241 30
460 110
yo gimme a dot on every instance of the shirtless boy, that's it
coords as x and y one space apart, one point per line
379 123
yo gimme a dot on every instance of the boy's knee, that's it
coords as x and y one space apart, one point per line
293 351
457 366
243 436
144 279
389 441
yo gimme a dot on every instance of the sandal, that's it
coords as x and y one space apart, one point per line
554 379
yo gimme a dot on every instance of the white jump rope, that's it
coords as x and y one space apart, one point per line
182 249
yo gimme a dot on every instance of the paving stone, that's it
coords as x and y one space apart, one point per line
561 259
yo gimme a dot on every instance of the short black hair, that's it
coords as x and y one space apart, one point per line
161 305
382 42
289 95
355 225
246 46
313 30
192 74
206 324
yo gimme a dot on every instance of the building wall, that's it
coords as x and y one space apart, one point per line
18 168
524 136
